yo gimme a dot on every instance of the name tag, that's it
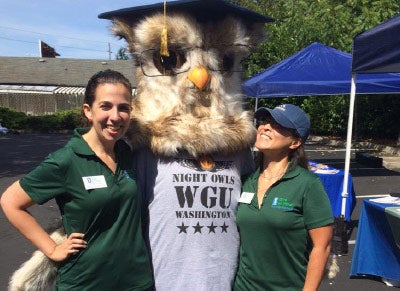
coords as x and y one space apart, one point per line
246 197
94 182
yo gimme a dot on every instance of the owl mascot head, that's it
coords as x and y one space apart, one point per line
189 58
189 114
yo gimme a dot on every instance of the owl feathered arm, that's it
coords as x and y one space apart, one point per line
205 136
197 136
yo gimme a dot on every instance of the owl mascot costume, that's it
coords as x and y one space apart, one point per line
191 134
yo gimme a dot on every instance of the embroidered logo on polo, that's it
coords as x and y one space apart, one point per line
281 203
204 197
129 174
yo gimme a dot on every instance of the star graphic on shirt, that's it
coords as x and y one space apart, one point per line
197 228
224 228
212 227
182 228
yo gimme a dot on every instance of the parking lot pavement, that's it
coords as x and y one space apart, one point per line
368 182
21 153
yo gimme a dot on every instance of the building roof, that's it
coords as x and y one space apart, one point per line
28 89
58 71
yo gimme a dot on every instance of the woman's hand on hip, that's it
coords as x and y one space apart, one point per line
73 244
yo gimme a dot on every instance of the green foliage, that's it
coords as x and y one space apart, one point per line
377 116
12 119
42 123
298 23
61 120
328 114
335 23
121 54
69 119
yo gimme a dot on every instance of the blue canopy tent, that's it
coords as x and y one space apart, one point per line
376 50
320 70
316 70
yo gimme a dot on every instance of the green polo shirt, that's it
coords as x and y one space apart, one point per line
102 205
274 240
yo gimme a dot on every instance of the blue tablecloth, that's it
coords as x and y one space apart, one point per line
375 252
333 182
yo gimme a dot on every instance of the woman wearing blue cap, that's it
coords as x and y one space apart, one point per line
284 216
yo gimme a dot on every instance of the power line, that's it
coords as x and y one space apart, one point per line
71 47
7 38
52 35
59 46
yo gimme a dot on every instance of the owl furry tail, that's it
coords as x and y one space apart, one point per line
39 272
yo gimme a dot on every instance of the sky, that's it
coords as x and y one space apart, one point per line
70 26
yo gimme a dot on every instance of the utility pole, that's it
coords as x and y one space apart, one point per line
109 51
40 48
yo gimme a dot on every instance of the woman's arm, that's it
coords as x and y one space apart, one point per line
321 238
15 202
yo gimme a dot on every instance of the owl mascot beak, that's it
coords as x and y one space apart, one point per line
199 76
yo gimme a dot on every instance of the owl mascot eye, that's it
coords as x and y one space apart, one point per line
191 133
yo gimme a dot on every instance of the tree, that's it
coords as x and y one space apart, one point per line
298 23
335 23
121 54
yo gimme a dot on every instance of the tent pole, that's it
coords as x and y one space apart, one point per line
345 193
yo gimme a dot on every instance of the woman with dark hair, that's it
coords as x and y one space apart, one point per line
284 216
94 185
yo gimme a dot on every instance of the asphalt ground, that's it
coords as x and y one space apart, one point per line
20 153
368 182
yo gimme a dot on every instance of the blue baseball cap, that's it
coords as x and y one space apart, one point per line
289 116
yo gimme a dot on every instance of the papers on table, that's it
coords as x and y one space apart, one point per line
319 168
326 171
387 200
